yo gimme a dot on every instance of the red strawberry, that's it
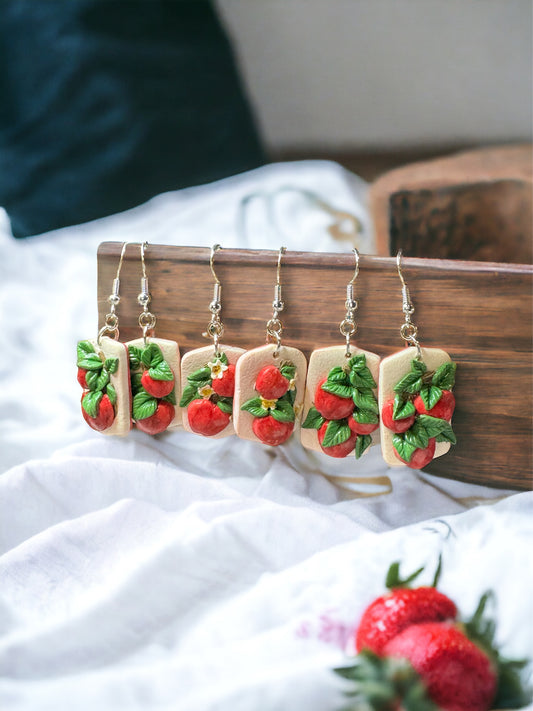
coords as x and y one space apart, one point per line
390 614
360 428
396 426
270 383
458 675
337 450
332 407
270 431
420 457
82 375
443 409
160 420
206 418
156 388
105 416
225 386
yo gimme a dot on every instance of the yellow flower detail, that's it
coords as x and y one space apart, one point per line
217 369
292 384
267 404
206 391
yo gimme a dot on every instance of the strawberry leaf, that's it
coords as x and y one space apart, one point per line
362 443
430 395
418 366
435 427
444 376
337 432
144 405
314 420
97 380
202 375
190 393
226 405
161 371
365 417
404 449
288 370
362 379
223 358
410 383
283 412
111 365
290 396
417 435
171 397
393 579
365 400
83 348
90 361
135 354
402 408
111 394
254 407
337 389
337 375
357 362
91 402
151 356
136 383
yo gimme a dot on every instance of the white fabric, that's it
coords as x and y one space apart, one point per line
183 573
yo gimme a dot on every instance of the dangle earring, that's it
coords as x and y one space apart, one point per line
208 376
340 393
103 372
155 371
415 398
270 383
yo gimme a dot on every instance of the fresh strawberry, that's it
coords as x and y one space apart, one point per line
420 457
225 386
443 410
206 418
337 450
389 614
458 675
271 431
156 388
397 426
270 383
82 375
360 428
160 420
330 406
105 416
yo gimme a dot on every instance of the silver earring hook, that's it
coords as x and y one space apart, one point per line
408 330
111 319
215 327
348 325
147 320
274 326
214 250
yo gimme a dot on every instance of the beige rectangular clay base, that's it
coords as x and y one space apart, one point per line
321 362
248 367
120 380
198 358
391 371
171 354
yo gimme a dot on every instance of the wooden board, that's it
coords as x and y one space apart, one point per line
479 312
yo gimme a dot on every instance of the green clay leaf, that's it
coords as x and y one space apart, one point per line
135 354
290 396
90 362
430 395
357 362
444 376
97 380
151 356
362 379
337 432
91 402
433 425
314 419
190 393
288 370
161 371
365 417
171 397
202 375
111 394
223 358
362 443
254 407
402 408
410 383
447 434
283 412
144 405
418 366
417 436
365 399
111 365
337 389
404 449
337 375
136 383
84 348
226 405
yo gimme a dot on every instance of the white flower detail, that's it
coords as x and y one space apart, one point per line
206 391
217 369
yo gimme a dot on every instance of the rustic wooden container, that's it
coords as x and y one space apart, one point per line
479 312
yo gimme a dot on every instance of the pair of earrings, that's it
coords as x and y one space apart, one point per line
355 400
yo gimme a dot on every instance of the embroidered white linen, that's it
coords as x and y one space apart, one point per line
183 573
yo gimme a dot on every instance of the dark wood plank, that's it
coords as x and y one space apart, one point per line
480 312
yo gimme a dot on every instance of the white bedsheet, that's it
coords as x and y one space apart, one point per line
184 573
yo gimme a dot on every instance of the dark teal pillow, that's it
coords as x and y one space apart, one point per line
106 103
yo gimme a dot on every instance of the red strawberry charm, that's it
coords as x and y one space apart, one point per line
337 450
270 383
271 431
225 385
330 406
444 408
159 421
156 388
421 457
82 378
398 426
206 418
361 428
105 413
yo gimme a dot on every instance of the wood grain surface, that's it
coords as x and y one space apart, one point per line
479 312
